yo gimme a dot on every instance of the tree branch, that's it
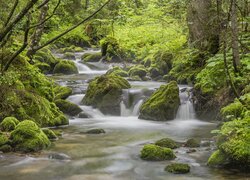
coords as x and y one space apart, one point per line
43 4
25 44
11 12
73 27
10 25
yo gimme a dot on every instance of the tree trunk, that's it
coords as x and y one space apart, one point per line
36 36
235 36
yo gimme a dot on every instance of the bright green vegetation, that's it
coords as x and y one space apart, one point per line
166 142
218 158
65 67
8 124
68 107
163 104
178 168
62 92
105 92
137 71
152 152
49 133
28 137
118 71
91 57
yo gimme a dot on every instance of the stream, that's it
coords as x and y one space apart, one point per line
115 155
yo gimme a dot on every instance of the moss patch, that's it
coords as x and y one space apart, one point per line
91 57
68 107
217 159
178 168
49 133
156 153
28 137
62 92
166 142
163 104
192 143
9 124
65 67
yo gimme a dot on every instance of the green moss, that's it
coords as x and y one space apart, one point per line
9 124
138 71
62 92
49 133
69 55
6 148
45 56
217 159
28 137
3 139
118 71
91 57
156 153
68 107
65 67
105 92
192 143
178 168
166 142
161 105
44 67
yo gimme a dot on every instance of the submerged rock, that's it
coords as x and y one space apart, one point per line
166 142
156 153
83 115
9 124
105 93
178 168
163 104
59 156
95 131
68 107
192 143
65 67
28 137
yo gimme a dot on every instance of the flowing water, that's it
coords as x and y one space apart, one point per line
115 154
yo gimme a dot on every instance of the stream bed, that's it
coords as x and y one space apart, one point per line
116 154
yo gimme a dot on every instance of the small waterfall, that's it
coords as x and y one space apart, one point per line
136 109
186 109
125 112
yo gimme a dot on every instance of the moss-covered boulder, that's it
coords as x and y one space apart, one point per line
3 139
192 143
118 71
49 133
218 158
44 67
178 168
6 148
69 55
91 57
68 107
163 104
65 67
95 131
45 56
138 71
166 142
156 153
105 92
28 137
9 124
62 92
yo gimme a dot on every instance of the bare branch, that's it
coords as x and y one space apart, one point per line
43 4
19 17
73 27
11 12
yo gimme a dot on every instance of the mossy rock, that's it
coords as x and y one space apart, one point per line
62 92
6 148
138 71
156 153
178 168
65 67
135 78
45 56
161 105
3 139
192 143
91 57
49 133
105 93
28 137
154 72
218 158
68 107
69 55
118 71
9 124
166 142
83 115
95 131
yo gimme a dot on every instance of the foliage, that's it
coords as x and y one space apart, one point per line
9 124
178 168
